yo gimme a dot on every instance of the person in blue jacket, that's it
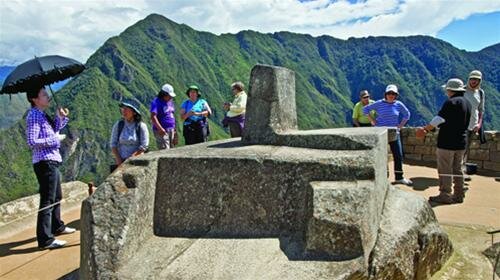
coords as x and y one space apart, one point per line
195 112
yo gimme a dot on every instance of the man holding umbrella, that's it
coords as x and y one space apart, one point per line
42 137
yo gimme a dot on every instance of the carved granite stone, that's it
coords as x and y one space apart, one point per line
278 204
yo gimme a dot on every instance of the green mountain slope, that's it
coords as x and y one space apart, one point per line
329 74
12 107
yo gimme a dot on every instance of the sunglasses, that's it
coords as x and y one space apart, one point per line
365 97
391 93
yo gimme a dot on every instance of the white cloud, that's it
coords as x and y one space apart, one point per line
78 28
72 28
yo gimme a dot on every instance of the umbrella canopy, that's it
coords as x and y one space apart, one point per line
41 71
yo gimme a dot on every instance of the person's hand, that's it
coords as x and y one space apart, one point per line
138 152
162 132
420 133
476 128
62 112
118 161
373 122
227 106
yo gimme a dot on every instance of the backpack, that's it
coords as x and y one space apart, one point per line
481 102
482 137
121 124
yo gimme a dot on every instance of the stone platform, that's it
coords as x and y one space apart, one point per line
466 224
319 201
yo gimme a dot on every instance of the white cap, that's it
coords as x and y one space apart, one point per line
168 89
392 88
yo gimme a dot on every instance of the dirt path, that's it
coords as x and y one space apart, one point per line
21 259
481 205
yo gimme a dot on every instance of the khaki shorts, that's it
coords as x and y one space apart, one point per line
166 141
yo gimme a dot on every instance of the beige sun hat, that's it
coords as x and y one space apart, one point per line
476 74
454 84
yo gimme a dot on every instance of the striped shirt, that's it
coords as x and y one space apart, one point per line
41 136
388 114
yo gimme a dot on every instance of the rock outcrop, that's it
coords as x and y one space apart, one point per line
278 204
493 254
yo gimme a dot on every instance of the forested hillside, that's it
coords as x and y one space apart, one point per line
329 74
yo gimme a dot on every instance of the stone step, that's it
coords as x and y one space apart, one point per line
343 218
231 258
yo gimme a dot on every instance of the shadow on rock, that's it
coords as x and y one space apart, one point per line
75 224
423 183
295 250
73 275
493 254
7 249
232 144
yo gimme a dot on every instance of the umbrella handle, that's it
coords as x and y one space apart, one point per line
53 96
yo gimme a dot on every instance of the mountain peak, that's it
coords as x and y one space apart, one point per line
155 18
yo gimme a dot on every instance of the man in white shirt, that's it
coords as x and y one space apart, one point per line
475 95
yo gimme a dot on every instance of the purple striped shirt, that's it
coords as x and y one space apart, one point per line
41 137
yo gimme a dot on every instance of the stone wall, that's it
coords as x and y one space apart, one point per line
21 213
486 156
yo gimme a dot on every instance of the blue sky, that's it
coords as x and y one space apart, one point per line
473 33
76 28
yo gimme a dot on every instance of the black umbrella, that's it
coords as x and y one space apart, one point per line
40 71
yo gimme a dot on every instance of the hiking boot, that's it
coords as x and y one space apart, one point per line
442 199
458 198
55 244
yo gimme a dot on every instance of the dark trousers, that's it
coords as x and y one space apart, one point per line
397 154
363 125
195 133
234 129
49 220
